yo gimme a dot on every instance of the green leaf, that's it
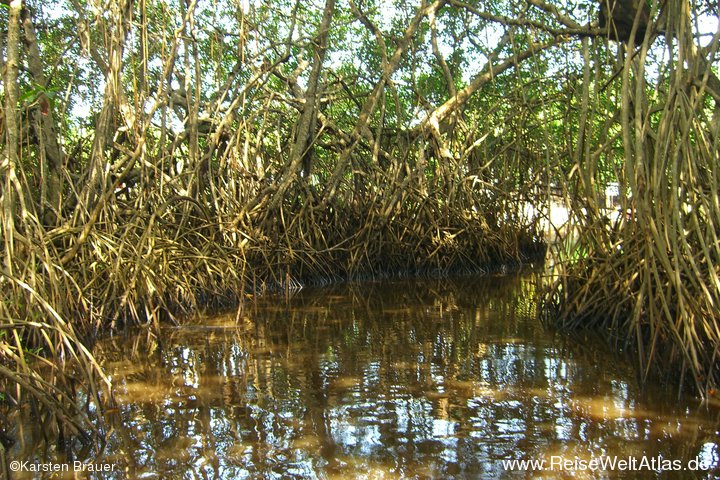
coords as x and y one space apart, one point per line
30 95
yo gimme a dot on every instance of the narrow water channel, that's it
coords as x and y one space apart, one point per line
406 379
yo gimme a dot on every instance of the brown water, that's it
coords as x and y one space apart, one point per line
412 379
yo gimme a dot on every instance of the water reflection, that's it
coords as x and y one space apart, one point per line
432 379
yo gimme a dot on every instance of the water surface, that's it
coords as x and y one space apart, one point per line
407 379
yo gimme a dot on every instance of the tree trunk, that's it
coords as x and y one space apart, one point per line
12 138
50 152
308 118
487 74
122 12
389 67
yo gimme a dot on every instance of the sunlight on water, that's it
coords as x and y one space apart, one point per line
431 379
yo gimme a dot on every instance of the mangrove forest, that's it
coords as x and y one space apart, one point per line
165 159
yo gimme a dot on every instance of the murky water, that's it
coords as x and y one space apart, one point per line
412 379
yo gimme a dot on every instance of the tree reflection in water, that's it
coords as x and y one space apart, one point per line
407 379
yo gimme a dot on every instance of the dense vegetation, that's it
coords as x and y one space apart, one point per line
163 156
